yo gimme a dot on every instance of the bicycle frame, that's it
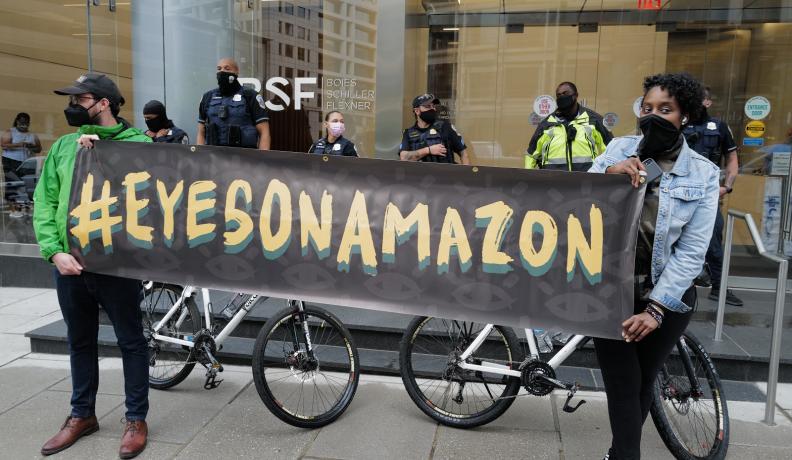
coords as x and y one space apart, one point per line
207 311
499 369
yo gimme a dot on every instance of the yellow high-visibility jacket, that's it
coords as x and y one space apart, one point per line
569 146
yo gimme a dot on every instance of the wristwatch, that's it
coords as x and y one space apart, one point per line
728 189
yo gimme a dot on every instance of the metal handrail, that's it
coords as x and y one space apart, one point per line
778 315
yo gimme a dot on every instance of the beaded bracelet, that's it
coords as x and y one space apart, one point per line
652 310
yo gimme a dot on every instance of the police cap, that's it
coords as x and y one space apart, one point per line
423 99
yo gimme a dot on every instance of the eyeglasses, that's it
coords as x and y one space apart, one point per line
77 99
428 105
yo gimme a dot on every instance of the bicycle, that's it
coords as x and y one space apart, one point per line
293 355
464 375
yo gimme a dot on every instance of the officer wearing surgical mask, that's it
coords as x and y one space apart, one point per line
160 127
334 142
568 139
231 115
431 139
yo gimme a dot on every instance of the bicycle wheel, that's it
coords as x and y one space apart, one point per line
169 363
690 413
307 390
453 396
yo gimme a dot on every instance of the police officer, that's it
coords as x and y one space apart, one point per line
334 143
430 139
160 127
231 115
713 139
570 138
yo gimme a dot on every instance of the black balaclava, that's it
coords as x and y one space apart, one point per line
161 121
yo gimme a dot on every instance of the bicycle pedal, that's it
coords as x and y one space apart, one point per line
569 408
212 383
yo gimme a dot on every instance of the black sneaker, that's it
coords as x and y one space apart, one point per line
731 299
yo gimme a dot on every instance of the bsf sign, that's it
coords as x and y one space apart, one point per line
755 129
757 108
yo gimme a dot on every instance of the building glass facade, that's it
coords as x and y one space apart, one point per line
489 61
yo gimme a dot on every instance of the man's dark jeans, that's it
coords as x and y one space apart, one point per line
79 298
714 255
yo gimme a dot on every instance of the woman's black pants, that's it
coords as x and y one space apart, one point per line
629 371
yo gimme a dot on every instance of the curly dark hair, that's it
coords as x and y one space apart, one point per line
683 87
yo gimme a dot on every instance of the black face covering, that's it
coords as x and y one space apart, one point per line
565 103
227 82
660 135
156 124
429 117
160 120
77 115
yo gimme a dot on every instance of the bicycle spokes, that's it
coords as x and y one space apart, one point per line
309 365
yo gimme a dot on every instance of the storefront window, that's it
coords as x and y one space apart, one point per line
44 45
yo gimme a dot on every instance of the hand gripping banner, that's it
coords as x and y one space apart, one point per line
495 245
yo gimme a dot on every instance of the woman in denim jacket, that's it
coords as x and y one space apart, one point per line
685 203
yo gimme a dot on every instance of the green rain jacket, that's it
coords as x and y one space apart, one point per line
51 197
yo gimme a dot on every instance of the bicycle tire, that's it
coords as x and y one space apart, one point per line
443 415
270 362
164 376
667 400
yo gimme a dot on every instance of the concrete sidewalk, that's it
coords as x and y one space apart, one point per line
382 422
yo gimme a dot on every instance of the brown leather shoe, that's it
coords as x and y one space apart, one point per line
73 429
134 440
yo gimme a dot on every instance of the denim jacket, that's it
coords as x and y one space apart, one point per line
688 201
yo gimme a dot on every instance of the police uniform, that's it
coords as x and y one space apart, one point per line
231 119
440 132
342 146
712 139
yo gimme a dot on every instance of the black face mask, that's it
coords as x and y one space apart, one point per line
227 81
77 115
660 135
156 124
429 117
565 103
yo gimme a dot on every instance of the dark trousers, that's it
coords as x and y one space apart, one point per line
79 298
10 166
629 371
714 255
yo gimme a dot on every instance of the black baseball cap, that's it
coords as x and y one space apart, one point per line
97 84
423 99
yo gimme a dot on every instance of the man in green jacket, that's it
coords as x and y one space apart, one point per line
94 103
570 138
